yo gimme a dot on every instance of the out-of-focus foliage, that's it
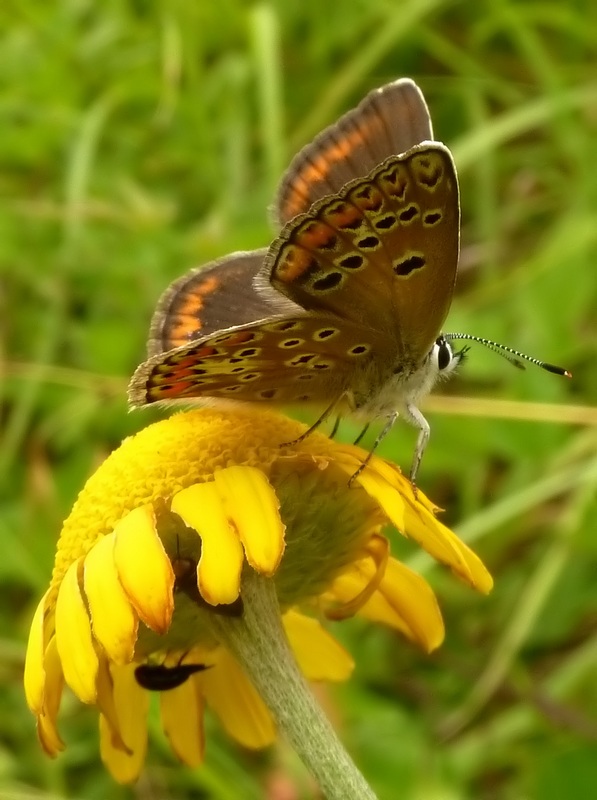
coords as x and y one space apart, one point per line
139 139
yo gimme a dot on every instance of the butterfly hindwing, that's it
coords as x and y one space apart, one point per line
285 360
389 121
210 298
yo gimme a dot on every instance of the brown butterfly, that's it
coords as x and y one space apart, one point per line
346 306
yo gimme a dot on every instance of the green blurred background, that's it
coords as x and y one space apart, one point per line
139 139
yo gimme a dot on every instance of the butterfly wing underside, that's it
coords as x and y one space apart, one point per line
213 297
221 294
364 273
307 358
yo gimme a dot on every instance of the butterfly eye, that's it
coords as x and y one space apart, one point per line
445 354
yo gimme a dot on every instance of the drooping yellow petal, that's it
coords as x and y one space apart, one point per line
403 600
201 507
440 542
378 549
46 721
144 569
34 676
251 502
73 637
385 495
48 736
182 720
392 475
386 471
377 608
131 703
105 703
414 600
242 712
412 514
113 620
318 654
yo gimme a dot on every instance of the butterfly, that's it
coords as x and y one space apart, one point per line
345 308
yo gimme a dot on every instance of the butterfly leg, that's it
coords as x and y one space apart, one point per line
316 424
381 436
412 414
335 427
361 434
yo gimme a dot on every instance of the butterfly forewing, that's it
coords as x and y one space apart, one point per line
389 121
287 360
207 299
423 245
382 254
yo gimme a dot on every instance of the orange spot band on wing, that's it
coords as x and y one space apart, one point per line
183 330
294 262
344 215
190 359
317 170
192 302
181 372
209 285
155 393
316 235
240 338
372 200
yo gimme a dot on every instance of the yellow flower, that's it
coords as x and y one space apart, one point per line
155 548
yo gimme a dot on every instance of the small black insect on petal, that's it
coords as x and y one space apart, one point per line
160 678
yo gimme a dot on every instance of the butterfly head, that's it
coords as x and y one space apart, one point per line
445 358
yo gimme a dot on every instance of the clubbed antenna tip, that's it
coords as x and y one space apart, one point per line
556 370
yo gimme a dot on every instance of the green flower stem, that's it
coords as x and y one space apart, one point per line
258 641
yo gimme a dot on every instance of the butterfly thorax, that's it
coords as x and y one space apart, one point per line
379 392
383 388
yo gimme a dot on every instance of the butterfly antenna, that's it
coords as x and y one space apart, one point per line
511 355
